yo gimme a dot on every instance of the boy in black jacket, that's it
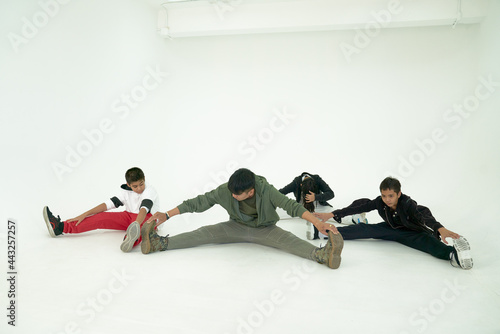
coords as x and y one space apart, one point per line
405 222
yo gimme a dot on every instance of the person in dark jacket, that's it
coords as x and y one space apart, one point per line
313 193
405 222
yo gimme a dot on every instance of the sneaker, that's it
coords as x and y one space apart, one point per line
461 256
151 241
359 218
54 225
309 231
337 219
330 254
131 236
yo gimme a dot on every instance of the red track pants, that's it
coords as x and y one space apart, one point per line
104 220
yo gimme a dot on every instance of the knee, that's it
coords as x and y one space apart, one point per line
213 231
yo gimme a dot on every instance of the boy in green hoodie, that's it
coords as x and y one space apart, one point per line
251 204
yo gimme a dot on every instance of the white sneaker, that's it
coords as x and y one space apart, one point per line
309 231
461 256
131 236
359 218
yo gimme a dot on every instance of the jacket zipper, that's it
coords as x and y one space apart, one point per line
387 217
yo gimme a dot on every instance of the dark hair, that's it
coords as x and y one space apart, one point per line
391 184
309 185
242 180
134 174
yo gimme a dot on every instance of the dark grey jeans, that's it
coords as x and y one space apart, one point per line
232 232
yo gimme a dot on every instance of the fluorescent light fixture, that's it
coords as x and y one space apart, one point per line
184 18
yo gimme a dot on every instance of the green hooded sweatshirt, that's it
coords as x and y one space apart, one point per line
267 199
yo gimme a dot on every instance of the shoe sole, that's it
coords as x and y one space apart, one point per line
131 236
47 222
334 257
145 231
463 251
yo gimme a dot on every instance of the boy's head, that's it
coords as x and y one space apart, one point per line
390 189
135 179
242 184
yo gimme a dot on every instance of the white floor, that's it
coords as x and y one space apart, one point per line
85 284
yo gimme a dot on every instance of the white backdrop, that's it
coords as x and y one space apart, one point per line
93 90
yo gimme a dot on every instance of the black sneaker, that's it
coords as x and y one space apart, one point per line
461 256
54 225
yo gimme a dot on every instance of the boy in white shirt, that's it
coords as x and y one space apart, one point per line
139 198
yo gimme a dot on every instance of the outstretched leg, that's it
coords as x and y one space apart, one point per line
421 241
231 232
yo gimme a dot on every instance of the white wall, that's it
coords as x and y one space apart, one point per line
353 121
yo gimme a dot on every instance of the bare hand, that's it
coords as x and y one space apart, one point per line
160 218
77 219
323 216
310 197
445 233
324 228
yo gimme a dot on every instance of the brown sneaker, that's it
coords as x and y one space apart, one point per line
151 241
330 254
